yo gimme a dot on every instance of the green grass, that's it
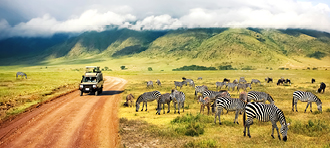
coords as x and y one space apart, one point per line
230 134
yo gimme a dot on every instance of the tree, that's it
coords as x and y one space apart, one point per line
106 68
123 67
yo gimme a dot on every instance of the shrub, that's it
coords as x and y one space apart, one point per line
317 55
248 68
314 68
123 67
149 68
226 67
194 129
193 67
210 143
312 129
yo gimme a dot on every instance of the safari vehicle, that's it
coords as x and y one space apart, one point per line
92 81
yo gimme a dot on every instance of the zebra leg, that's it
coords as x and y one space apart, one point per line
219 113
142 106
236 115
215 116
164 108
295 103
278 133
179 105
310 106
168 104
307 106
182 106
208 109
174 104
146 106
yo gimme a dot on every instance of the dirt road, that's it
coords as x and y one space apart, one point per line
69 121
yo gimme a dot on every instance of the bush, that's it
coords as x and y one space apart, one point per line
193 67
226 67
317 55
149 68
210 143
315 68
248 68
194 129
312 129
123 67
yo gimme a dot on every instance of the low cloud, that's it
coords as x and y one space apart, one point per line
262 14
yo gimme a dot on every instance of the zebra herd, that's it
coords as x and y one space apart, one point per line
222 100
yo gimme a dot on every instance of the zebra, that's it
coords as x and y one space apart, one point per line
200 89
230 104
243 86
235 81
242 79
220 84
306 97
179 99
212 94
22 74
199 78
158 83
191 82
259 97
255 81
265 113
180 84
231 85
164 99
146 97
150 84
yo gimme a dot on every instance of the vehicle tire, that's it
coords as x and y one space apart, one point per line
101 90
81 93
96 93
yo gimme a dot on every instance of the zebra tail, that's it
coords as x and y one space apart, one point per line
244 118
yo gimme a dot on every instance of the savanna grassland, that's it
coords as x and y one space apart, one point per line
169 129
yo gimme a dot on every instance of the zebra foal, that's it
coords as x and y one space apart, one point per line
220 84
146 97
180 84
265 113
306 97
150 84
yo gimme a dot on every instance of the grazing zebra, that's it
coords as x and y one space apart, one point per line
255 81
190 81
242 80
220 84
146 97
180 84
179 99
235 81
231 85
199 78
306 97
257 96
230 104
243 86
200 89
265 113
150 84
164 99
204 102
129 100
158 83
22 74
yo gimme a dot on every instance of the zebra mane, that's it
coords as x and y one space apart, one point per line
318 100
269 96
281 116
138 100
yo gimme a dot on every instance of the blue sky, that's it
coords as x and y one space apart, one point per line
34 18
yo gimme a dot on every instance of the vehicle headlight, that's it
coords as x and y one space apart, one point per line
81 86
94 86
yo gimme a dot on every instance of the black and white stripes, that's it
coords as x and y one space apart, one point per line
259 97
265 113
306 97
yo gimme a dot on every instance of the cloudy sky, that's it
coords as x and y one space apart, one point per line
34 18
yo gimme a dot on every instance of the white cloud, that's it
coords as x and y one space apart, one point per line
172 15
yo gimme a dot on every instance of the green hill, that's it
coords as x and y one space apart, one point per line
200 46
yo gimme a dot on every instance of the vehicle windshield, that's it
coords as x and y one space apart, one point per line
92 69
89 79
